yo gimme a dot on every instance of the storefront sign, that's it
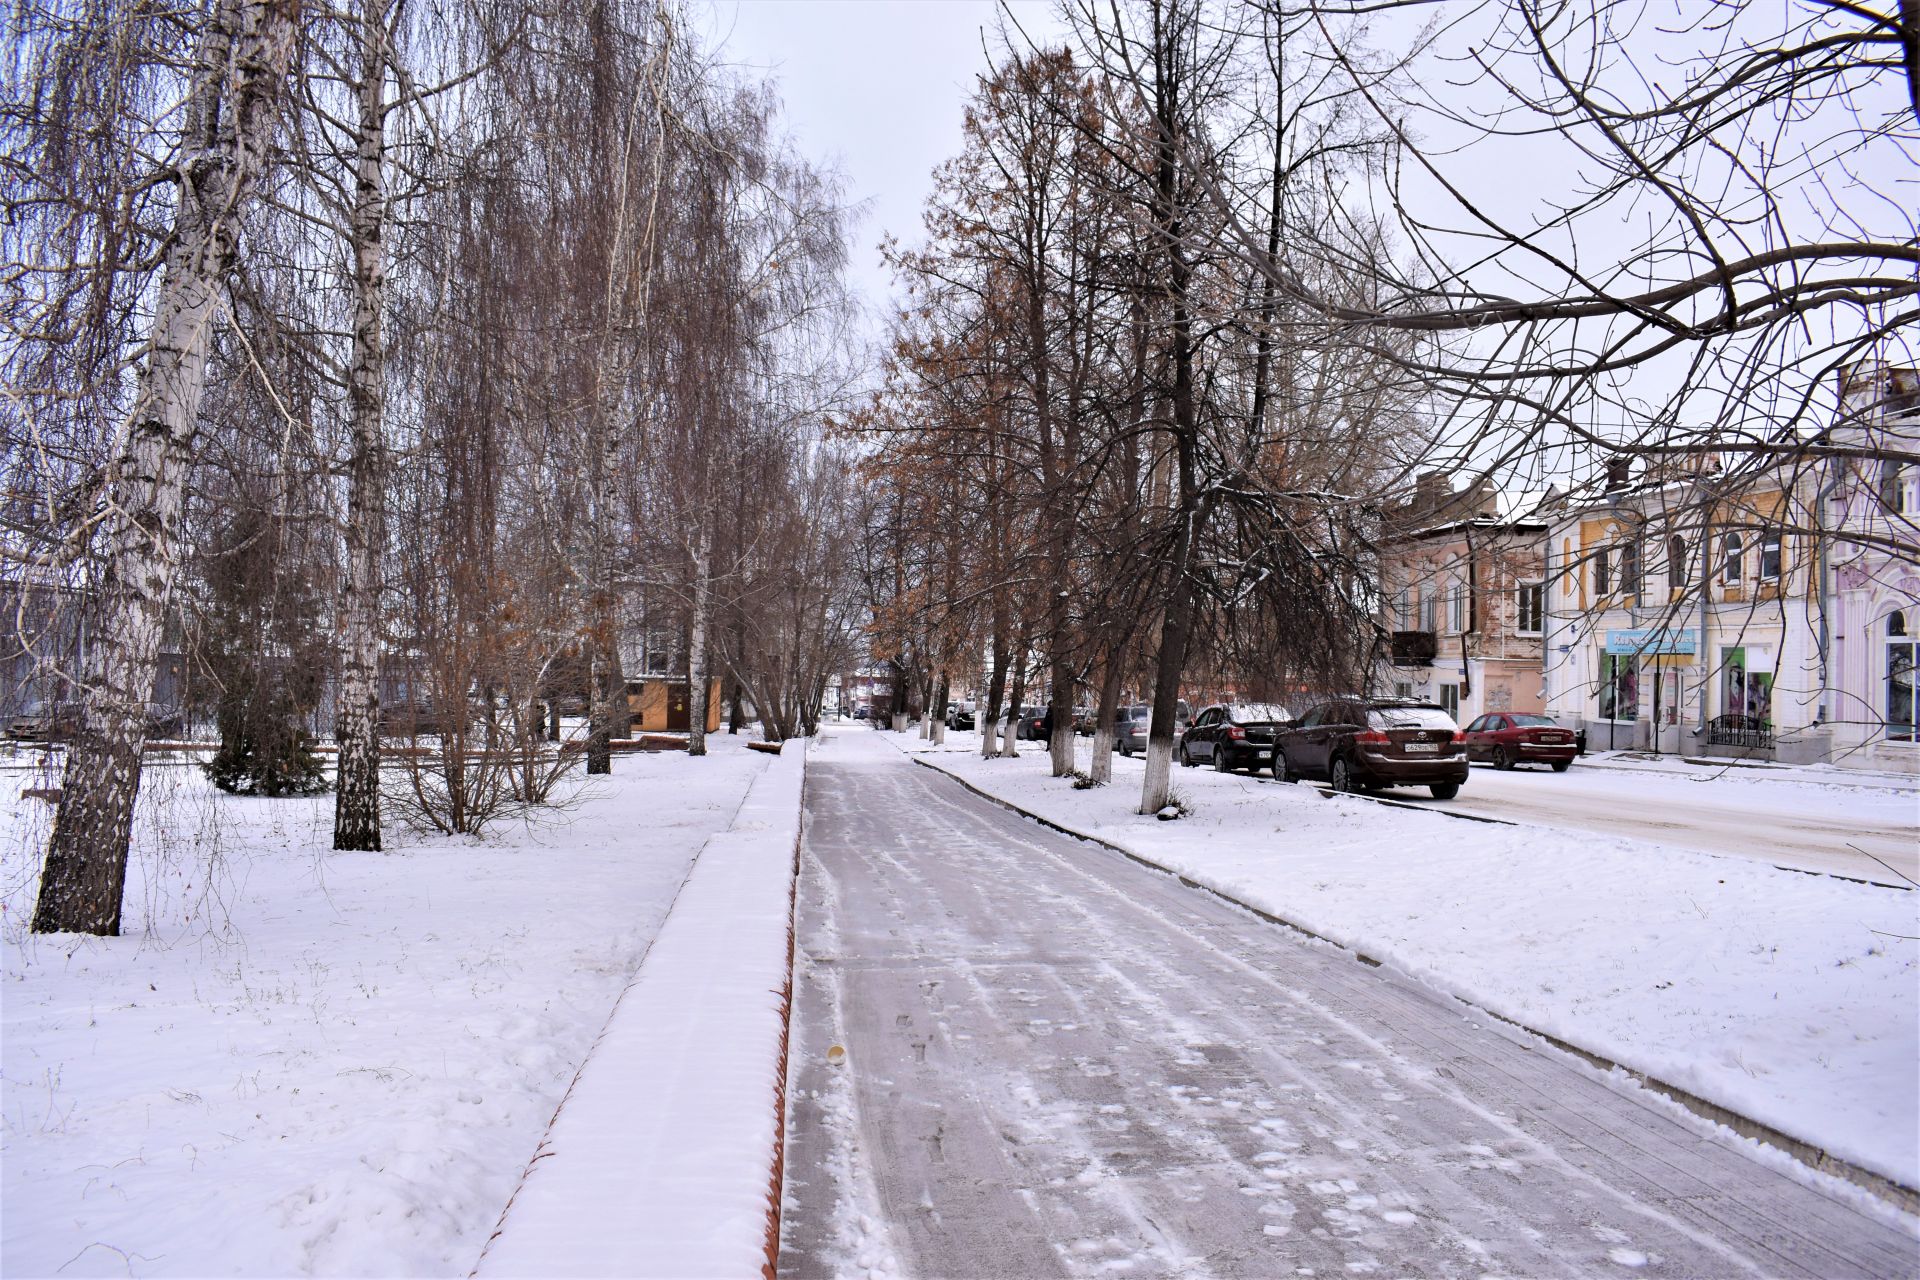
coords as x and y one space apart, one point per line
1653 640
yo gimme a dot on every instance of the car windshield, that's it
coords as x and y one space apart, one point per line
1528 722
1409 718
1259 713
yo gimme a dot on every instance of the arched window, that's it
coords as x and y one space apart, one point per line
1731 549
1902 709
1676 562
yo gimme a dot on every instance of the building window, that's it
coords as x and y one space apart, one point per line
1403 689
1893 488
1619 691
1744 692
1403 609
1732 548
1676 562
1430 612
1457 609
1603 572
1630 568
1533 608
1903 709
1769 557
1450 699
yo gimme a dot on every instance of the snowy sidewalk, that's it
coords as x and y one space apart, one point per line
663 1158
1790 999
302 1062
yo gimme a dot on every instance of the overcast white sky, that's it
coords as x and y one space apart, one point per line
875 87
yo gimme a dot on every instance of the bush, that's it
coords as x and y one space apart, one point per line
263 750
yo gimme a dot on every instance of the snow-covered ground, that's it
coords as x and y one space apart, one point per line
1789 998
304 1062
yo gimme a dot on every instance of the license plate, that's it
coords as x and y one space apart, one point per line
1422 748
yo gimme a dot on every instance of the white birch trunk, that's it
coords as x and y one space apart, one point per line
1155 793
242 69
356 797
697 644
1100 768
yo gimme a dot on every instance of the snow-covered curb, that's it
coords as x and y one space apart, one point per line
663 1158
1364 943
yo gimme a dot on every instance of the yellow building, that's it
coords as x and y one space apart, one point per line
661 706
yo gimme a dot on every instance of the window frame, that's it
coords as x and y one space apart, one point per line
1733 558
1897 636
1538 592
1771 546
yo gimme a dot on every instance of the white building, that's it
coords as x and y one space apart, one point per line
1873 583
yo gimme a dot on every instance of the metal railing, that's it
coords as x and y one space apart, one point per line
1740 731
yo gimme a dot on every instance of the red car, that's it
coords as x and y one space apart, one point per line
1507 738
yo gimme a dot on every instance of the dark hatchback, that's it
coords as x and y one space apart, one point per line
1362 743
1233 736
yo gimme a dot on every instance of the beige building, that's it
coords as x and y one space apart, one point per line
1462 600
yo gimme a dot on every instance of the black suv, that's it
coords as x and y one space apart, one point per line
1357 743
1233 736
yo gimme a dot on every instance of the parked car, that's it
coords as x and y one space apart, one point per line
45 722
861 712
1357 743
1085 720
1130 726
1032 725
1507 738
1233 736
959 715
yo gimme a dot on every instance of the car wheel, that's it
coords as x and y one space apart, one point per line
1186 757
1280 771
1222 762
1341 775
1501 760
1561 766
1444 790
1126 750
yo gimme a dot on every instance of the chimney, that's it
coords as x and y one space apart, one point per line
1619 472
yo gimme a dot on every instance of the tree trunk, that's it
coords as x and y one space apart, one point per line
230 121
986 717
1060 744
937 714
697 692
356 796
1010 738
1101 768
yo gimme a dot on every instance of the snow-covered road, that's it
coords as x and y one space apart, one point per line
1060 1063
1876 835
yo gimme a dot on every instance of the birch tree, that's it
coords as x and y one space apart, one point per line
225 133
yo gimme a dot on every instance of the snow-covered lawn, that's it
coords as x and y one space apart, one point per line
297 1061
1789 998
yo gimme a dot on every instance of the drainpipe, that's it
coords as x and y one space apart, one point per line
1822 569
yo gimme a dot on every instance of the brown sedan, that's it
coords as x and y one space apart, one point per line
1363 743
